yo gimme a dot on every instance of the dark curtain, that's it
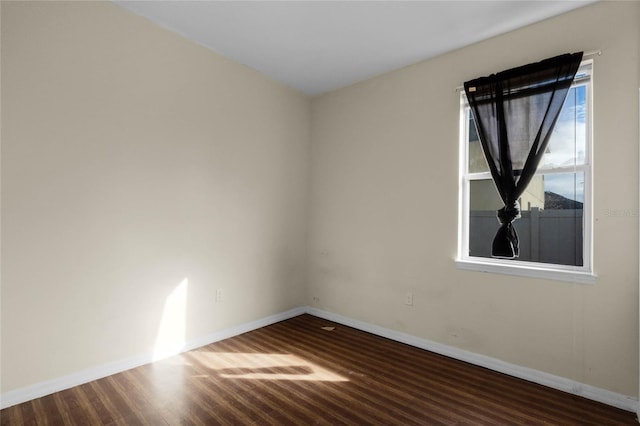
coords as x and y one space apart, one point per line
515 112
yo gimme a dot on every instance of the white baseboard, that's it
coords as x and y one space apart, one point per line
601 395
556 382
38 390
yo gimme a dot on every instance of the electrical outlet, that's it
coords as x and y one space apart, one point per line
408 300
219 295
316 299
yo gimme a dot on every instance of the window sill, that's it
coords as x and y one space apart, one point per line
526 270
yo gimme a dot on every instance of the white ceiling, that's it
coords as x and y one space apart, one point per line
318 46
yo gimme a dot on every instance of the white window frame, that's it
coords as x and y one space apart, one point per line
578 274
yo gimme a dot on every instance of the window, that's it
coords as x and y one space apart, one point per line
555 227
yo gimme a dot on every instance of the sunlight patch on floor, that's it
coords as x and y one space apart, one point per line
260 366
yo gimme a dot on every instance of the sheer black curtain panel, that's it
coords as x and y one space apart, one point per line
515 112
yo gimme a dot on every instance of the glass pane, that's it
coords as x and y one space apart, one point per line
567 146
568 140
477 162
551 227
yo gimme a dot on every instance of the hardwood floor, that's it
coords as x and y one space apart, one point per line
297 373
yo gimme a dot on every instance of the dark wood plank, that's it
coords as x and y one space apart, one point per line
296 373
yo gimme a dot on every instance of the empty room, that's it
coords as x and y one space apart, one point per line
342 212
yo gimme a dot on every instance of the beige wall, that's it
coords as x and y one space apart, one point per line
385 199
486 197
133 159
